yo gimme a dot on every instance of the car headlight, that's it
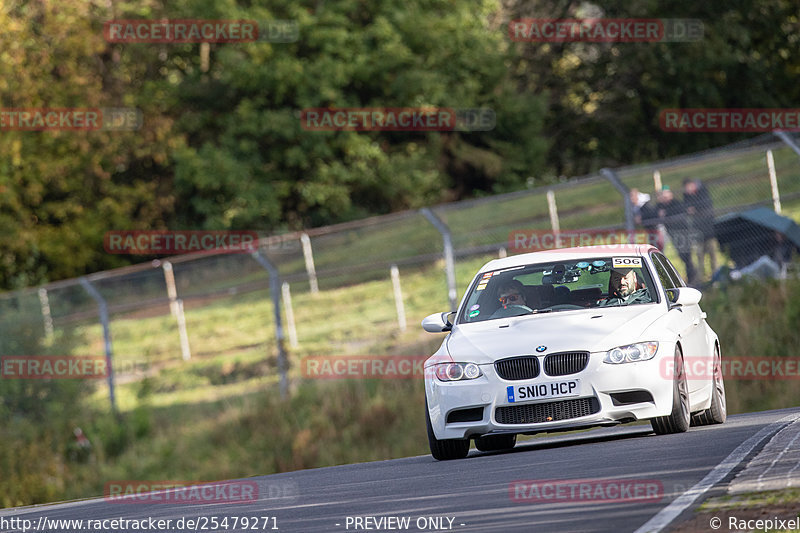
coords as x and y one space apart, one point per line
641 351
457 371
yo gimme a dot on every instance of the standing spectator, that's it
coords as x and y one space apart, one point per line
672 213
80 449
646 215
638 200
700 209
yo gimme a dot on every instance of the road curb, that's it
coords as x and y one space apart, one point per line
775 467
668 514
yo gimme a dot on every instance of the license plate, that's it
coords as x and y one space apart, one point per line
538 391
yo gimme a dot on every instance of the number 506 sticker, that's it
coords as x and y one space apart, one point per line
630 262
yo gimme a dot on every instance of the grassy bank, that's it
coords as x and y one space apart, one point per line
757 320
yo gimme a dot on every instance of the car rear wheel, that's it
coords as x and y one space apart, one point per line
494 443
444 449
718 411
678 419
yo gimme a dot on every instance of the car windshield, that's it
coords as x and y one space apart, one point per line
559 286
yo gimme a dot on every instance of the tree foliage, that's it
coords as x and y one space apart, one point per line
605 98
222 144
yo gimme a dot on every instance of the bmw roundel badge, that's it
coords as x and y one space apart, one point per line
540 349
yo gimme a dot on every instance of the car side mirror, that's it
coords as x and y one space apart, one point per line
438 322
683 296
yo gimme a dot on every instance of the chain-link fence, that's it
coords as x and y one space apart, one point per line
342 295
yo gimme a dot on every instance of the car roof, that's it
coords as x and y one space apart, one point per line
568 254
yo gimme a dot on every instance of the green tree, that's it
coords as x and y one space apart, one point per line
605 98
249 163
62 190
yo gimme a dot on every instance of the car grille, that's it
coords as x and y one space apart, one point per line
535 413
516 368
562 364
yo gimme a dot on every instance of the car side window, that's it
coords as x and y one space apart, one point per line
661 270
672 271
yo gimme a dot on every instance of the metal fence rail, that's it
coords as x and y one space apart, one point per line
332 257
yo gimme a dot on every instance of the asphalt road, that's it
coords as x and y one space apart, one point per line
468 495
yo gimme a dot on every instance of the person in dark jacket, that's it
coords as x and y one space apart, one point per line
672 213
700 209
646 216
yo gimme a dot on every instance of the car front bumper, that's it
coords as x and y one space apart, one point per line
605 394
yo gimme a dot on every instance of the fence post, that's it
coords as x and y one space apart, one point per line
186 352
773 181
551 206
398 298
103 310
275 293
287 306
611 176
308 255
46 316
172 291
448 255
176 308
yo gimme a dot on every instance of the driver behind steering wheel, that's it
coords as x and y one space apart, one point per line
624 288
510 292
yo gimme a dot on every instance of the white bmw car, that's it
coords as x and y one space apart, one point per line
566 339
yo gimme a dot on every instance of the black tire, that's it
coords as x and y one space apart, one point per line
678 419
494 443
717 413
445 449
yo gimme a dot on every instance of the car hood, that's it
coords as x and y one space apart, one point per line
592 330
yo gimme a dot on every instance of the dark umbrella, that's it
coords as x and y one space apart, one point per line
750 234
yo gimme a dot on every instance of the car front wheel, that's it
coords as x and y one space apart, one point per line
678 419
718 412
444 449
